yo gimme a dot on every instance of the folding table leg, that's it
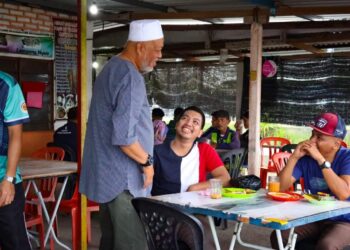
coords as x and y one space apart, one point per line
213 231
51 220
234 236
292 239
249 245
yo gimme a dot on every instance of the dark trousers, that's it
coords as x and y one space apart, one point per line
13 233
321 235
120 225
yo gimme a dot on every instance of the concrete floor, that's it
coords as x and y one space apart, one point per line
249 234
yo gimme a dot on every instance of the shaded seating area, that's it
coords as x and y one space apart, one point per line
229 51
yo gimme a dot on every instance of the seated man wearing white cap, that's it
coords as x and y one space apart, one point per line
325 166
117 161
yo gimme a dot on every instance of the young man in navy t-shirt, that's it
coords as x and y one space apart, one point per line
325 166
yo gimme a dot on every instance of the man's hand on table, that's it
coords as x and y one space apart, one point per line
7 193
148 175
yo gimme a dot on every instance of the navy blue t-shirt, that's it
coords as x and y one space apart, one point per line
308 168
67 135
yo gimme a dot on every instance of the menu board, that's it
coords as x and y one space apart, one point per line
66 61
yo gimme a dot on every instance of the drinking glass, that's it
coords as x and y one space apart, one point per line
215 188
274 184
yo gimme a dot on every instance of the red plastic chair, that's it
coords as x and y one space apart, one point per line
343 143
48 185
71 206
273 145
280 160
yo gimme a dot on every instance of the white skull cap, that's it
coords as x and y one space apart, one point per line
145 30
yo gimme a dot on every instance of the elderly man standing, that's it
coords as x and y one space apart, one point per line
325 166
117 161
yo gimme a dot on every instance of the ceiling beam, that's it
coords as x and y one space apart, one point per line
143 4
237 45
280 11
307 47
268 41
341 24
175 15
303 11
198 15
319 37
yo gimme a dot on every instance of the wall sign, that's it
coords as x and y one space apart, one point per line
26 45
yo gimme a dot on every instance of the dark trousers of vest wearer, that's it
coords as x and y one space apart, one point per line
322 235
13 233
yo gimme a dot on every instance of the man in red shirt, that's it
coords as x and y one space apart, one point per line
183 164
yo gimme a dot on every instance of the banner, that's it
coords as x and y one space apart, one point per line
26 45
66 61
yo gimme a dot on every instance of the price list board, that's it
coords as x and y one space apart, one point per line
66 62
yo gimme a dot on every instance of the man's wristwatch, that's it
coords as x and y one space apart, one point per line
10 179
149 161
325 164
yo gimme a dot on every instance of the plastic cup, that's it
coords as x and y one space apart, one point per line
274 184
215 188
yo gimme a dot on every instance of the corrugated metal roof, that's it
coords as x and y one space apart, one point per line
316 3
224 12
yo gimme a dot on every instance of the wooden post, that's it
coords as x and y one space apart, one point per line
255 98
82 107
239 89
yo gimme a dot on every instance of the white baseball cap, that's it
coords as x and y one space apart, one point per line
145 30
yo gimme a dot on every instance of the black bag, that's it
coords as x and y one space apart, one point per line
248 181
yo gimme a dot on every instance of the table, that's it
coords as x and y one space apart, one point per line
259 211
33 169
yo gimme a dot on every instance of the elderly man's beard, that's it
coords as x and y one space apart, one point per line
145 68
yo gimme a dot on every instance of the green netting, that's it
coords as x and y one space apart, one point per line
302 89
210 87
